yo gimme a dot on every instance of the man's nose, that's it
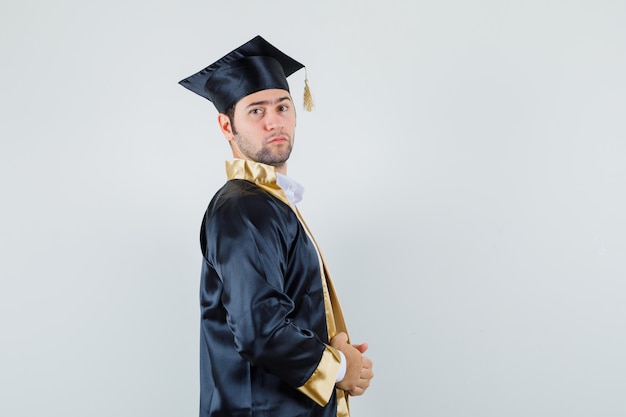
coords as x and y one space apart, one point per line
273 121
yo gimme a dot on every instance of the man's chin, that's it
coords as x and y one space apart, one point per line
277 164
276 160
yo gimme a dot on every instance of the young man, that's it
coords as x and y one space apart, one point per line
273 339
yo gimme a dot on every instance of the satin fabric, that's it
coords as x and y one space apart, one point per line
264 328
254 66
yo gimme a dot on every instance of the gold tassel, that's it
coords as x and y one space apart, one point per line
308 97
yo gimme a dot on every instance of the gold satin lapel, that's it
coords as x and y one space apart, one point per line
262 175
328 290
343 406
334 316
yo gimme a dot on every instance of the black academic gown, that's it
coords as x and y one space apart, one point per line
264 339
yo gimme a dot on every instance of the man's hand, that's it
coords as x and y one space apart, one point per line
358 367
366 373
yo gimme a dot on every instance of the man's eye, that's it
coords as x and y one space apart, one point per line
256 111
284 108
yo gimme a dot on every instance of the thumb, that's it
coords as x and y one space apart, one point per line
362 347
339 339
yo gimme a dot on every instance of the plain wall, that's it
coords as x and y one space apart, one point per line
465 178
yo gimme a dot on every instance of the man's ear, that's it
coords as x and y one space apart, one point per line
224 122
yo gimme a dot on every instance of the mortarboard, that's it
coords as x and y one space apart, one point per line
254 66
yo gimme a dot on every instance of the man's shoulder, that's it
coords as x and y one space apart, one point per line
237 190
244 196
240 205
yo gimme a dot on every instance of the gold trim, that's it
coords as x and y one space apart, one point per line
334 316
335 320
262 175
321 383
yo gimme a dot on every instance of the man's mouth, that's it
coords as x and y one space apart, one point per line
278 139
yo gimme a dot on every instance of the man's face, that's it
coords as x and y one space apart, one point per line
264 126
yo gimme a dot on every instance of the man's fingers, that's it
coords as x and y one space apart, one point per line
365 377
366 362
362 385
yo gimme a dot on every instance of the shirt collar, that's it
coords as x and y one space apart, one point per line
292 189
267 177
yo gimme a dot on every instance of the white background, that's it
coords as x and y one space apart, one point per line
465 173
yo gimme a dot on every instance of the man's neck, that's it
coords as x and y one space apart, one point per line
281 169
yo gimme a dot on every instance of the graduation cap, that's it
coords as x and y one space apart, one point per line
254 66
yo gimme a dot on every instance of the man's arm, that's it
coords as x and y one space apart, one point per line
247 245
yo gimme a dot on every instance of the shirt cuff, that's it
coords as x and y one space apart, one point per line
342 367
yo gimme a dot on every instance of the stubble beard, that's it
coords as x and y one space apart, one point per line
266 155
